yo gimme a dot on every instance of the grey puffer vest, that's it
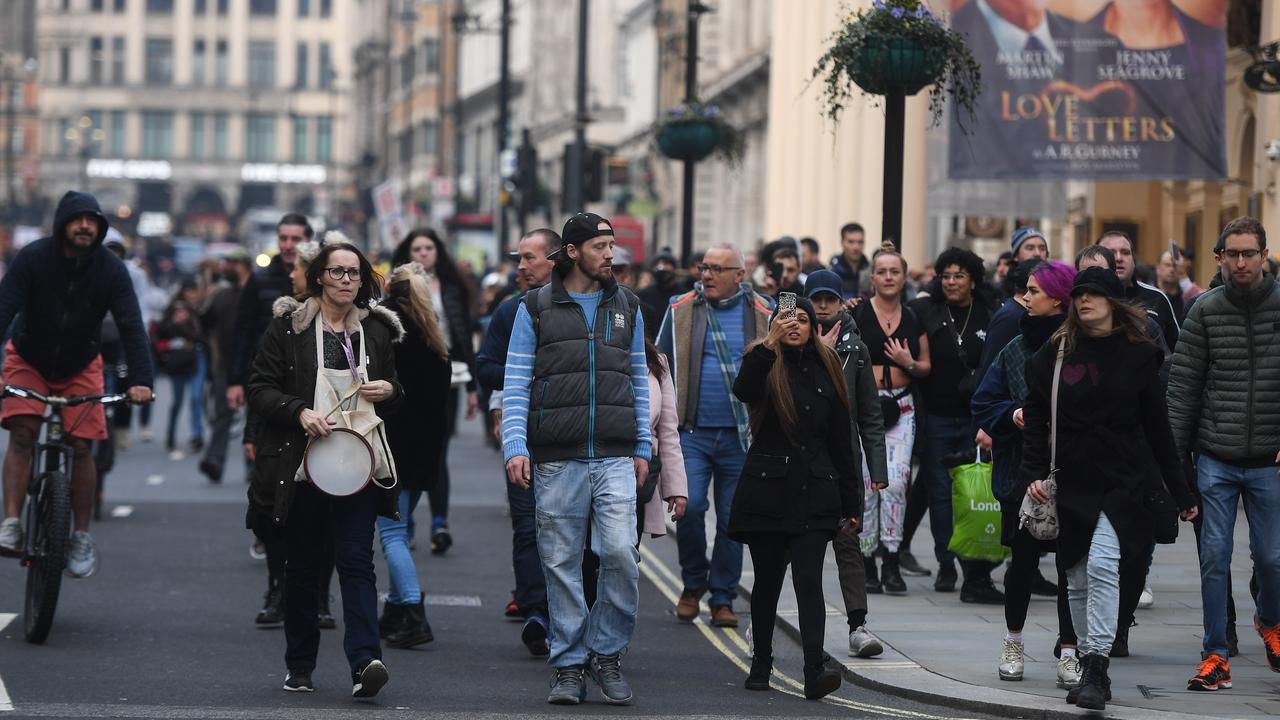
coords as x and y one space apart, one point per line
581 403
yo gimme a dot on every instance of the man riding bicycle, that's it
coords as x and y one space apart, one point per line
56 293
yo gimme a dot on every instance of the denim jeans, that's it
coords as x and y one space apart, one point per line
348 521
943 436
1221 486
405 589
531 586
180 384
710 453
573 494
1093 591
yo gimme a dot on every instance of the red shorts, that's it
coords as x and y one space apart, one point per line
88 421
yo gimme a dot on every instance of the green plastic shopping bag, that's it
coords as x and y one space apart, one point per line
975 514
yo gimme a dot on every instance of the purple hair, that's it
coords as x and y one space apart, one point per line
1055 279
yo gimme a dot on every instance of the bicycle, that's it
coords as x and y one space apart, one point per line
48 510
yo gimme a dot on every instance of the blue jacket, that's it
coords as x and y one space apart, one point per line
1002 330
491 362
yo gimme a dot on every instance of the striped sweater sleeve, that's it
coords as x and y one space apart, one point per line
516 384
640 386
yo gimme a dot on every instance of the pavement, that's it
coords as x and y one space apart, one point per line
938 649
165 629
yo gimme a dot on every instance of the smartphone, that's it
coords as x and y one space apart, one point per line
1174 253
786 305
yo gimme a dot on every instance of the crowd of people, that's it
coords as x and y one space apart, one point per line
810 404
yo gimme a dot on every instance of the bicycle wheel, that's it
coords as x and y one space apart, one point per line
48 552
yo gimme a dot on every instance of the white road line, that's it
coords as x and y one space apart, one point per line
452 600
155 479
121 511
6 705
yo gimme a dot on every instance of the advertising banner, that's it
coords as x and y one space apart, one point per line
1093 90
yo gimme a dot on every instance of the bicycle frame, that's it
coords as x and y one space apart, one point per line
53 455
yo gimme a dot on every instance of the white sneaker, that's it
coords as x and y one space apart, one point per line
751 643
1011 662
1068 672
177 455
12 537
145 436
1146 599
863 644
82 556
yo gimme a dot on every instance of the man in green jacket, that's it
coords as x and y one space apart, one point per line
838 331
1222 390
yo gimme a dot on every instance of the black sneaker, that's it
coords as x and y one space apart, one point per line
534 636
981 592
568 686
298 682
1120 646
368 679
272 612
909 565
441 539
606 671
946 581
212 471
1042 587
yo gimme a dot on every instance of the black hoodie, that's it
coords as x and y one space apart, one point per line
56 304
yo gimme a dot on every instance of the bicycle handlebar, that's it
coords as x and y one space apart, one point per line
29 394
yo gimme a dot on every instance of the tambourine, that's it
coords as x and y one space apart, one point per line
340 464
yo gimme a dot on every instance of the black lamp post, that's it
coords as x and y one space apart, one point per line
690 94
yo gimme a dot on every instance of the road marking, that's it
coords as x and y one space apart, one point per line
653 568
6 705
155 479
452 600
121 511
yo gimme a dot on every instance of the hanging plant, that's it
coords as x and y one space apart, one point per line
694 130
898 46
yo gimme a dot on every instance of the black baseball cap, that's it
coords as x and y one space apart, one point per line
1099 281
580 228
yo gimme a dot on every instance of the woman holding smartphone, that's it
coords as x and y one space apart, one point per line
799 485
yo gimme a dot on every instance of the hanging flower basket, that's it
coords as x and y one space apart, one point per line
898 46
694 131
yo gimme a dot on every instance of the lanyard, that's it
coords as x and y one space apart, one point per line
345 339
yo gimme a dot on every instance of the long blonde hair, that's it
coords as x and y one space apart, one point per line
409 290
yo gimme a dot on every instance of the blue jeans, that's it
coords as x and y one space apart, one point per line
405 589
180 384
531 586
1093 591
572 495
1221 486
708 453
943 436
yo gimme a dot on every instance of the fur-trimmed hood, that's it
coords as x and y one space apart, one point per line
302 314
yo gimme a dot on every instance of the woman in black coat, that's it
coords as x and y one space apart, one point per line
451 297
282 391
416 434
798 482
1114 449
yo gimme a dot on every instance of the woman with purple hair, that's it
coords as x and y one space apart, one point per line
997 408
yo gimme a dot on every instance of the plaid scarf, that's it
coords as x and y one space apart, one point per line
728 370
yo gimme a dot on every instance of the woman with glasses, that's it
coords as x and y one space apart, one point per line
451 297
333 344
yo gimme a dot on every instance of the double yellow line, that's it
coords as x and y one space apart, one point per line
669 585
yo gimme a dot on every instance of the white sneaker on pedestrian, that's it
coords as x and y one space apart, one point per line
12 537
177 455
1146 599
258 550
145 435
1011 662
82 556
863 644
1068 672
751 643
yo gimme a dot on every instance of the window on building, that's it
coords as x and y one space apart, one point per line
17 140
119 6
406 147
325 80
223 6
262 7
202 7
117 60
64 138
97 5
220 63
408 69
304 8
64 65
157 134
117 133
197 149
159 61
326 8
301 67
260 137
95 59
159 7
431 56
429 137
262 63
324 138
299 138
91 137
220 131
199 61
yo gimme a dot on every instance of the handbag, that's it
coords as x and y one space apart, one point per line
1041 519
975 513
645 492
1163 514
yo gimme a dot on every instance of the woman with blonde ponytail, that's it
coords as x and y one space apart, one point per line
416 435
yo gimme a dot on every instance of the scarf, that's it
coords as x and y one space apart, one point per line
728 370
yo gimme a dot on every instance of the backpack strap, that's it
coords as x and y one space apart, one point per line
537 302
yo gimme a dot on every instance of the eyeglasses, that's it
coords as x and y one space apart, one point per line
716 269
1237 254
956 277
336 273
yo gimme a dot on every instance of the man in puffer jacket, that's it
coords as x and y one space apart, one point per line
1225 377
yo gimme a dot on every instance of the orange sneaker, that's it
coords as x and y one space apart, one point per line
1271 641
1214 674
